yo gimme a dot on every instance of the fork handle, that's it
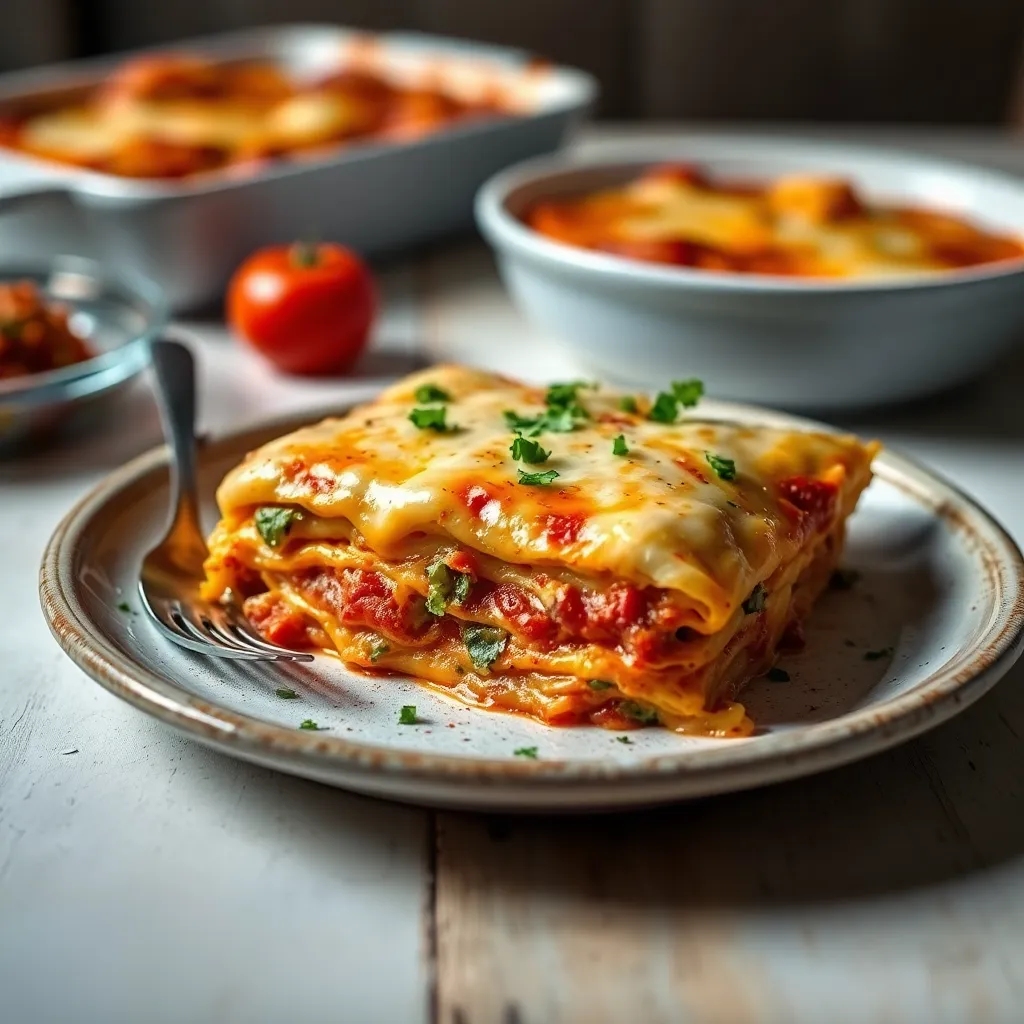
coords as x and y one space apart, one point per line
175 372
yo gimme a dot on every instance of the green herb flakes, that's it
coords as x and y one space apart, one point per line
378 649
688 392
551 421
125 607
619 446
683 394
528 752
445 585
274 522
639 712
627 403
432 417
407 716
565 396
312 726
623 739
286 693
600 684
537 479
755 603
485 644
528 451
427 393
665 408
725 468
461 587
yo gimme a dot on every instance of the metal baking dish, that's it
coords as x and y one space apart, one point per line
377 197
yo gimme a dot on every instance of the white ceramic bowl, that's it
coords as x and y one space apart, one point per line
804 344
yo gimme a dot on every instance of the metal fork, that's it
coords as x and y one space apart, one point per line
171 572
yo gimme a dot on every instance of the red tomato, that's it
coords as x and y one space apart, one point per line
307 308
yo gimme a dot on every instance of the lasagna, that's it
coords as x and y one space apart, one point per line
174 116
804 226
569 553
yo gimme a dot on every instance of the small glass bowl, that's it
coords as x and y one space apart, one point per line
117 315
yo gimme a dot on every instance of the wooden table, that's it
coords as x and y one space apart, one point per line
146 879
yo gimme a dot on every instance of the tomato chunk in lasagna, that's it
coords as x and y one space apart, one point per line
570 553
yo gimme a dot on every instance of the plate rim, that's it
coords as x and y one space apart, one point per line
452 780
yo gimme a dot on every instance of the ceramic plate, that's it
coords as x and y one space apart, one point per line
933 621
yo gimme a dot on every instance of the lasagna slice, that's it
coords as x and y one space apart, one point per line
572 554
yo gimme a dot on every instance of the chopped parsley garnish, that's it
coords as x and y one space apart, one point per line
843 579
639 712
485 644
777 675
445 585
407 716
528 451
377 650
725 468
562 415
311 725
565 396
627 403
426 393
688 392
755 603
432 417
552 421
125 607
883 652
537 479
530 752
623 739
665 408
619 446
274 522
682 394
529 425
286 693
563 421
600 684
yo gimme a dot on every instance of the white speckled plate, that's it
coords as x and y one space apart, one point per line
933 622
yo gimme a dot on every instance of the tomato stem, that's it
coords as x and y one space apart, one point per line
304 254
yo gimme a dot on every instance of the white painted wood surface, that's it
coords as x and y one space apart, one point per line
143 878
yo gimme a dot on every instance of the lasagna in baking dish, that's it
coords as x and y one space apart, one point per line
177 115
570 553
804 226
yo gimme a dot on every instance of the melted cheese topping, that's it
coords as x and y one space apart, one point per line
800 225
657 517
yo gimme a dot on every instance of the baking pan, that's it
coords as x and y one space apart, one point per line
379 197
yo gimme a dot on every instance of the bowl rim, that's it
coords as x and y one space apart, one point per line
505 232
128 282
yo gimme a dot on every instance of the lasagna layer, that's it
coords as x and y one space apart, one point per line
621 568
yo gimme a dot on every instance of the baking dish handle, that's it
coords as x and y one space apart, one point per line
14 197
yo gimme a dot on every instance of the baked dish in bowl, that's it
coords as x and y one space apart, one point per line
797 274
798 225
574 554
